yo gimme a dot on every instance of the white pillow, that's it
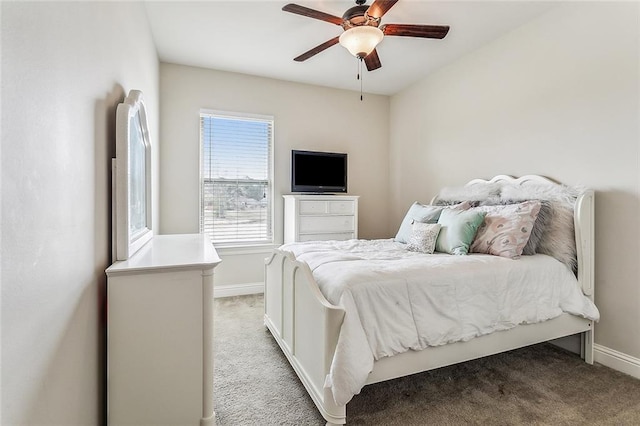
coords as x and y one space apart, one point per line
423 237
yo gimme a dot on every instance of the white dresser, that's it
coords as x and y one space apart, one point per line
320 217
160 333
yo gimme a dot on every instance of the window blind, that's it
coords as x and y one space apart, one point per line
236 178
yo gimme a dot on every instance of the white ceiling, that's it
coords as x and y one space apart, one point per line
258 38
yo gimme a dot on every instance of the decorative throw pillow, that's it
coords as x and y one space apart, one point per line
558 237
423 237
416 213
458 230
564 194
421 213
485 192
539 228
505 229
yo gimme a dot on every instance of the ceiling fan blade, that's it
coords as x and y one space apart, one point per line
372 61
312 13
327 44
380 7
409 30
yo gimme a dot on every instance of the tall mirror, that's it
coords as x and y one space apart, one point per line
132 177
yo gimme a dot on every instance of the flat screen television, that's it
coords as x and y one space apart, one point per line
313 171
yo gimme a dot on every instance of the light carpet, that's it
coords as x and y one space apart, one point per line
541 385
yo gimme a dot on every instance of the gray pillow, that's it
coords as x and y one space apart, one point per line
539 228
485 192
418 213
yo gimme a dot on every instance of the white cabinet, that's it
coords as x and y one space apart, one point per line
160 333
320 217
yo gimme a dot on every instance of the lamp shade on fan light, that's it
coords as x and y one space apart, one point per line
361 41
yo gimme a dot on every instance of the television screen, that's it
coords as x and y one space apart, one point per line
313 171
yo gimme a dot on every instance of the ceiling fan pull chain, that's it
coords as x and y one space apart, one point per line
359 77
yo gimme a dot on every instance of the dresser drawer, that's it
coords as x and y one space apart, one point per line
327 207
313 207
341 207
326 224
326 237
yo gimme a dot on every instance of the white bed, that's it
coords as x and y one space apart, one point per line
315 316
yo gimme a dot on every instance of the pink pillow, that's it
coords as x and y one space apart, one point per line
506 229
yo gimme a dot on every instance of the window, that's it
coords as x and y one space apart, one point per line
236 207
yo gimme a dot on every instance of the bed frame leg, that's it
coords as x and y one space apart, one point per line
587 346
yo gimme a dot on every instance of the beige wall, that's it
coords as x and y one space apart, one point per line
306 117
558 97
65 66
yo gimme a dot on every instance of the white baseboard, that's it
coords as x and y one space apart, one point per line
617 360
238 289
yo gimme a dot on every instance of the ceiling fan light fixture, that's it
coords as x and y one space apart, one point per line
361 40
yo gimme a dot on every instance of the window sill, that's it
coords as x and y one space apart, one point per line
249 249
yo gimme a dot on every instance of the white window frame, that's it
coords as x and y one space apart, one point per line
270 184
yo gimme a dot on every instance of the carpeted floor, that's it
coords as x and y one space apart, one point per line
541 385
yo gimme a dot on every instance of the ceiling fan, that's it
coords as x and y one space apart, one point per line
362 30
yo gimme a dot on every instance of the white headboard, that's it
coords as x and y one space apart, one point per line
583 218
523 180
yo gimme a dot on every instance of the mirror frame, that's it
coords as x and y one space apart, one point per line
133 227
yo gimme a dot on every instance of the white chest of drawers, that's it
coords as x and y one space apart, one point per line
320 217
160 333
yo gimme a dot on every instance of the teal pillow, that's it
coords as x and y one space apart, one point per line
419 213
458 228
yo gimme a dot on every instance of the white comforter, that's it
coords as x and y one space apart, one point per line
396 300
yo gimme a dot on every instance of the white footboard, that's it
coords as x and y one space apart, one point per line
305 326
